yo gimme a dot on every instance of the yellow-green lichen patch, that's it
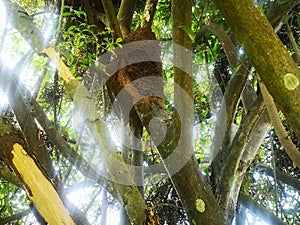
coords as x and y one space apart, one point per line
200 205
291 82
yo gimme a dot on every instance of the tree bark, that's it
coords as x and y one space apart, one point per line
125 15
112 18
273 63
190 174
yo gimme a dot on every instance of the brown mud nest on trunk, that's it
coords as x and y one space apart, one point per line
136 70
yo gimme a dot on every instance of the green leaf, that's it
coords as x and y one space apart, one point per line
231 180
197 12
236 69
66 7
285 18
72 28
294 165
78 13
119 40
298 20
189 32
66 14
280 2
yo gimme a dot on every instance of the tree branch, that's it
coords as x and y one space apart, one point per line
283 177
21 20
125 15
189 174
259 210
294 43
112 18
149 13
275 66
26 119
17 216
283 137
40 188
236 151
228 46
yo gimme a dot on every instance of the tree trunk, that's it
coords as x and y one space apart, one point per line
188 181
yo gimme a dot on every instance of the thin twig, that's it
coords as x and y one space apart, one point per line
294 44
274 172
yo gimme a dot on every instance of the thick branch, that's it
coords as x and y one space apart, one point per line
41 189
149 13
236 152
20 19
277 69
183 119
125 15
26 119
112 18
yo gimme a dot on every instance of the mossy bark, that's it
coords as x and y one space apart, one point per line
188 181
269 56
